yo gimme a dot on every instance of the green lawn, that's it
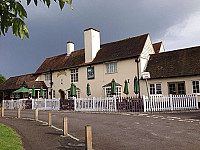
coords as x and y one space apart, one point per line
9 139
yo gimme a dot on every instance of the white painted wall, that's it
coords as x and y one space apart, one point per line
162 49
147 50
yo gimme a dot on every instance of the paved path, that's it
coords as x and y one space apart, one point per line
39 136
166 131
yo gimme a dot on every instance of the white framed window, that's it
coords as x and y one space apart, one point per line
195 86
78 92
45 93
155 88
54 94
47 77
74 75
12 95
111 67
17 95
107 91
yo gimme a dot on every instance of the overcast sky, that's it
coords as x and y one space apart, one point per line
175 22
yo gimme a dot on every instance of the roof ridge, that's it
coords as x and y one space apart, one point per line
22 75
177 50
126 39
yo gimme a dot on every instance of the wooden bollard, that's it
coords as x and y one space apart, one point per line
65 126
36 114
88 137
50 120
18 112
2 111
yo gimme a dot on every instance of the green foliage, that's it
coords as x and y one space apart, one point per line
2 78
9 139
12 14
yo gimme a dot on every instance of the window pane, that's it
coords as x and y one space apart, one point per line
152 88
158 89
195 86
181 88
172 88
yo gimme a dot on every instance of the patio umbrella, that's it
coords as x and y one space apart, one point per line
136 85
88 90
41 92
73 90
126 88
33 91
113 87
22 90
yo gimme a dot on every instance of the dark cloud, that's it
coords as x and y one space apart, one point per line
51 28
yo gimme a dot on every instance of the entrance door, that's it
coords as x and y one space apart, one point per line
62 94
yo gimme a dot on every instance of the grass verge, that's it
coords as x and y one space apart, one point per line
9 139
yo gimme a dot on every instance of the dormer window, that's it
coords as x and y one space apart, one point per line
111 67
47 77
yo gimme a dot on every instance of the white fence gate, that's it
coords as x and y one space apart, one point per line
95 104
170 103
41 104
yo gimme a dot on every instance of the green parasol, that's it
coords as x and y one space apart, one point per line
33 91
22 90
41 92
88 90
113 87
136 85
73 90
126 88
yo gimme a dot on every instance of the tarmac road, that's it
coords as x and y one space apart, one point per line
129 131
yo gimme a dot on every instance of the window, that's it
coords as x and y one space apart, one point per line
54 93
77 91
111 67
74 75
155 88
176 88
12 95
108 91
45 94
17 95
47 77
196 87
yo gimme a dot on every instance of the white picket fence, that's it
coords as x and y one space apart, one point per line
95 104
41 104
170 103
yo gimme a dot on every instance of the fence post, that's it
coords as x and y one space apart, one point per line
49 118
45 104
2 111
88 137
18 112
197 101
144 103
115 103
171 103
32 103
65 126
74 98
36 114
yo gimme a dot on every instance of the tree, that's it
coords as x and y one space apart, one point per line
12 14
2 78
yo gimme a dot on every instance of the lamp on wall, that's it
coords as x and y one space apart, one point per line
128 80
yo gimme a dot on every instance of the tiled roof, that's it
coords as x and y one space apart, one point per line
156 47
127 48
177 63
16 82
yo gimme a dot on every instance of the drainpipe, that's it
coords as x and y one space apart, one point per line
51 83
138 73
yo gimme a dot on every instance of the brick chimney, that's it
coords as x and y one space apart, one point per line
70 47
92 43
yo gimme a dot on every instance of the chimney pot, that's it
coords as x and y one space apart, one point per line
70 47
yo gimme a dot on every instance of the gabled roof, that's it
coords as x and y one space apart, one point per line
177 63
16 82
156 47
128 48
